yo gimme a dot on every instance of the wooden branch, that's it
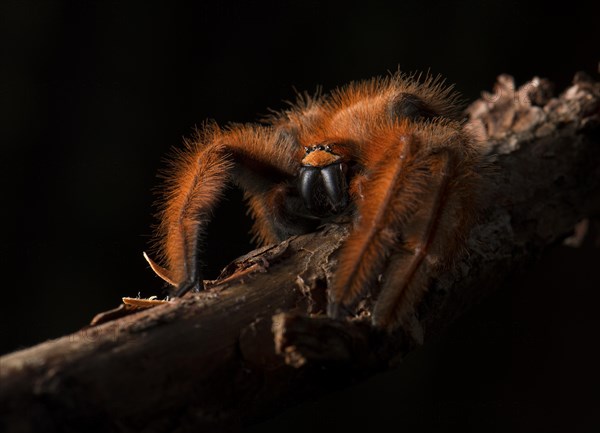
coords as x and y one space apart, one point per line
248 347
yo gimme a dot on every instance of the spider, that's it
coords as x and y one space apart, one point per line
391 154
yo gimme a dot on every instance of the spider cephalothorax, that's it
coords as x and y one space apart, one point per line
389 153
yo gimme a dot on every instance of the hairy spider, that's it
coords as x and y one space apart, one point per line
390 153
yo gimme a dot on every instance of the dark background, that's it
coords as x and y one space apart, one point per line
93 94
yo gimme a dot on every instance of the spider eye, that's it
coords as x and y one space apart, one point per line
407 105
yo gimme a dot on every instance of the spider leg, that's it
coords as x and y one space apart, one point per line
251 157
388 199
424 236
411 219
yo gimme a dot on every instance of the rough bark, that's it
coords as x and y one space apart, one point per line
248 346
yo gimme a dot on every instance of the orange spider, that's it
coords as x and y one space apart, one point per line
390 153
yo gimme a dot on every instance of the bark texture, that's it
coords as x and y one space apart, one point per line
248 347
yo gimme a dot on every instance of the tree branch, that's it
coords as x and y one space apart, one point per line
248 346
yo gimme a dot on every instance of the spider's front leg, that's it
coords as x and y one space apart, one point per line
415 210
255 158
423 237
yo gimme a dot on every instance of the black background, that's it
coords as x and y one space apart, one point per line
93 94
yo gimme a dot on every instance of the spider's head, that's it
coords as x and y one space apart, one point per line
323 185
